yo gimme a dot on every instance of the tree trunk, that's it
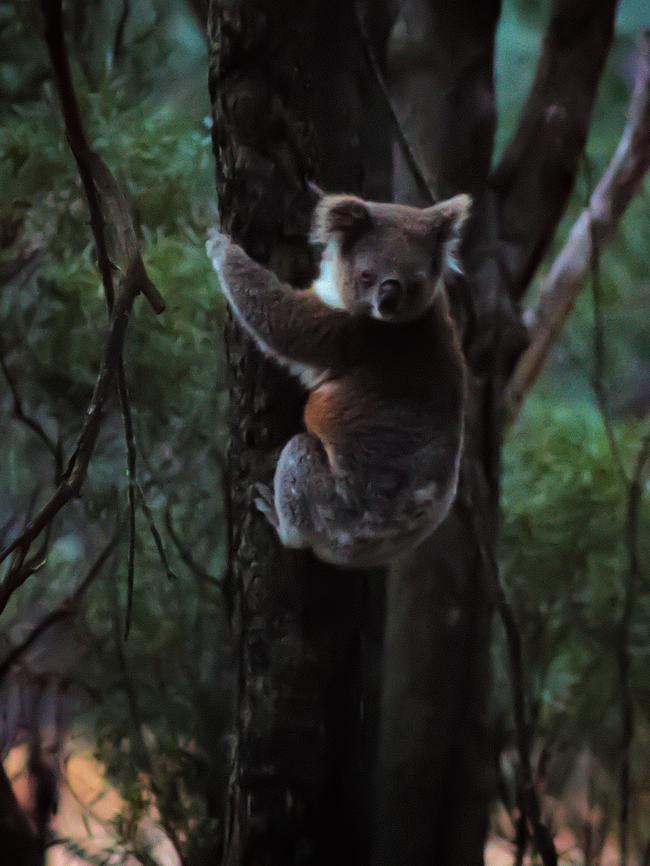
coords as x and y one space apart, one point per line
291 101
434 777
290 90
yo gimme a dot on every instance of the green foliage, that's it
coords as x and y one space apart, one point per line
158 706
564 556
565 563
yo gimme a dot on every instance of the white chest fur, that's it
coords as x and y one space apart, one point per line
326 283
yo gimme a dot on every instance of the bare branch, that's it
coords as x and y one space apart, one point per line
533 181
185 554
632 580
599 349
155 534
73 479
141 748
117 247
118 42
53 447
111 223
531 810
608 202
131 462
66 609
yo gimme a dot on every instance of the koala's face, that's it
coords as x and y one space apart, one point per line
384 260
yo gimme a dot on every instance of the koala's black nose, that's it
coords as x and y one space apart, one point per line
389 297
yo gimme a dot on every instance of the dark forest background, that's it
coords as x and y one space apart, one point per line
156 710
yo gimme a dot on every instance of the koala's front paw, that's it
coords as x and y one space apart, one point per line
265 502
216 246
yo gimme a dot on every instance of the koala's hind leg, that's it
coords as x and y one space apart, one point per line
302 475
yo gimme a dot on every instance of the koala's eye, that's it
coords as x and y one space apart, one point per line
367 278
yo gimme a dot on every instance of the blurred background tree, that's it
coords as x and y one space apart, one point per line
156 710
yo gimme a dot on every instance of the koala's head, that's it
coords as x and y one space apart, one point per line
385 260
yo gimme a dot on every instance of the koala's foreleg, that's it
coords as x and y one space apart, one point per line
287 325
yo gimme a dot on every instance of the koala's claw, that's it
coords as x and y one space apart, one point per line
216 244
265 503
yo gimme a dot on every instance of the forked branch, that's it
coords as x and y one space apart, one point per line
117 248
66 609
73 478
534 179
597 223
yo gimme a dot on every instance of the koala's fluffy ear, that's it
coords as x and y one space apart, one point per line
446 221
344 216
447 217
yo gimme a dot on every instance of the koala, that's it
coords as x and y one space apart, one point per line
373 342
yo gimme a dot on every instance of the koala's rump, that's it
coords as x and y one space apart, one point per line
393 449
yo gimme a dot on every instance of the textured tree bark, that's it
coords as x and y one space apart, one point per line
434 777
289 94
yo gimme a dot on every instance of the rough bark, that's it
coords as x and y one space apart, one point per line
288 91
434 784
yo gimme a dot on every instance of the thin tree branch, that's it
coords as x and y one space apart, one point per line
186 556
617 187
141 748
19 413
118 43
111 224
155 534
113 230
67 608
536 174
632 580
131 461
531 810
600 350
74 476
